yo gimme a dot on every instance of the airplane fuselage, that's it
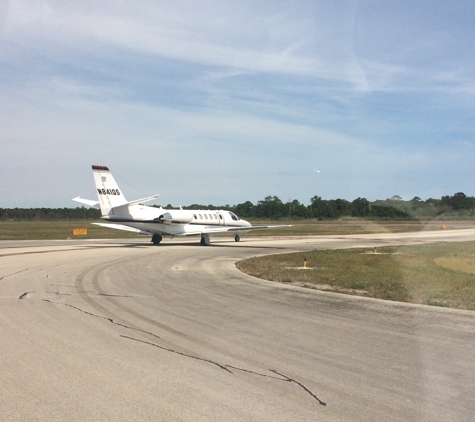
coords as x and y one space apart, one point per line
175 222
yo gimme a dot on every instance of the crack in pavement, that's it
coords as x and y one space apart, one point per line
225 367
254 373
179 353
8 275
286 378
25 295
102 317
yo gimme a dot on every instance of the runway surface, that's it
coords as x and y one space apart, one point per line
121 330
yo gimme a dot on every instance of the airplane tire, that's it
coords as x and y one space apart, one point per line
237 238
205 240
156 239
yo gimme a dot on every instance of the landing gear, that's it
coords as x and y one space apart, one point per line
205 239
156 239
237 238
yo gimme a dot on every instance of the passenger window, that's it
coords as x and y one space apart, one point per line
201 217
206 217
195 217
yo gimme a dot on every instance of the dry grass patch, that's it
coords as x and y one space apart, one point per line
436 274
464 264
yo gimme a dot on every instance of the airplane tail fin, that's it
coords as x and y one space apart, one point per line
108 191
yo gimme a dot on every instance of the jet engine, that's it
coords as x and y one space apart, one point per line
176 217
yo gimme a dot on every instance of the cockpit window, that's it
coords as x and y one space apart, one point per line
234 216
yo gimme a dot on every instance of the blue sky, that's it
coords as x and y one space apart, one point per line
226 101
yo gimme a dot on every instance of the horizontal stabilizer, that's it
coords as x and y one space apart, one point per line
136 202
140 201
86 201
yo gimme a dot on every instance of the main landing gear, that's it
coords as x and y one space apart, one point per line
205 239
156 239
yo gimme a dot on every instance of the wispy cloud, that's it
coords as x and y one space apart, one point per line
378 94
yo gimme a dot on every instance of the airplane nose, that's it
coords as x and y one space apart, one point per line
246 223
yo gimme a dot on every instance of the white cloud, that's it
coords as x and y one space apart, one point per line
246 40
254 92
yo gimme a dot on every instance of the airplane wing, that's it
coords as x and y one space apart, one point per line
259 227
121 227
86 201
227 229
209 230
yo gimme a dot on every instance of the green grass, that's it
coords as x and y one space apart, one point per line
30 230
42 230
436 274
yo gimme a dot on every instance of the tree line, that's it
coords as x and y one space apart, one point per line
271 207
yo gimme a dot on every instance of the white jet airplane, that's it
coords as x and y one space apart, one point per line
134 216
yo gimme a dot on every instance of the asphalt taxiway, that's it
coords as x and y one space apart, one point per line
123 330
